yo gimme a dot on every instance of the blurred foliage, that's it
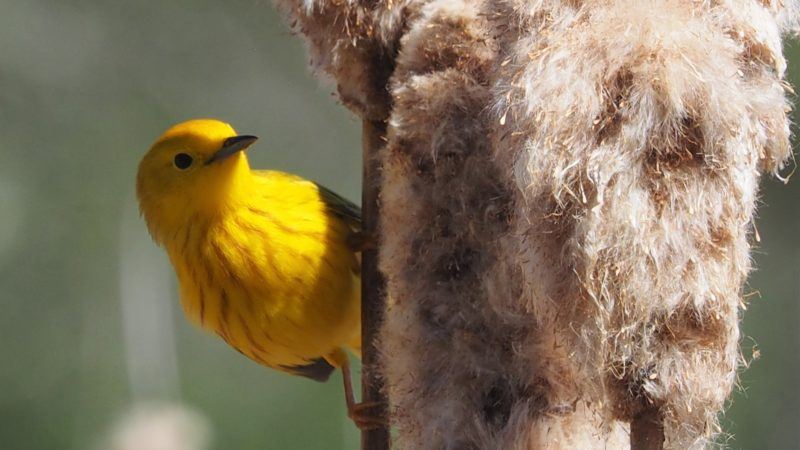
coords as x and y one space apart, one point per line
85 87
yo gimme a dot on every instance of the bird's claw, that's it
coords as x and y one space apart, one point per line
360 241
365 417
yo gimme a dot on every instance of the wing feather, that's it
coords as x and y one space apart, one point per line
341 207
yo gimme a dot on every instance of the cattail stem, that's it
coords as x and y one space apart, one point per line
373 301
647 430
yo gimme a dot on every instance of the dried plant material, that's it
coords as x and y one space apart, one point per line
569 189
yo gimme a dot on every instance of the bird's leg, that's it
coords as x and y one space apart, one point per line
360 413
360 241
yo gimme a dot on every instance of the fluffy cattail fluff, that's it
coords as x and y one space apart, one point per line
568 197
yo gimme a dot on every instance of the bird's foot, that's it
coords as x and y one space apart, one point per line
367 415
360 241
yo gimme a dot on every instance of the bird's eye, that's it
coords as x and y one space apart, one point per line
183 161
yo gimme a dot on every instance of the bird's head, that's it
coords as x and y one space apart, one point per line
193 168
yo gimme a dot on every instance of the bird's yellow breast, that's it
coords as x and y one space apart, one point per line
271 273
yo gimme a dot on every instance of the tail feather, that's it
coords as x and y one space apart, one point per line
318 370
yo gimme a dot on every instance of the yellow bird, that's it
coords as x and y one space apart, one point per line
264 259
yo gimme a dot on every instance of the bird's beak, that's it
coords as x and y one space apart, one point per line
231 146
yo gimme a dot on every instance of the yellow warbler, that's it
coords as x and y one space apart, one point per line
263 258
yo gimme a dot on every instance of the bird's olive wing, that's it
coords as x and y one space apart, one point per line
351 214
341 207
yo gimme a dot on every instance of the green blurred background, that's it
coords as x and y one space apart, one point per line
94 351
